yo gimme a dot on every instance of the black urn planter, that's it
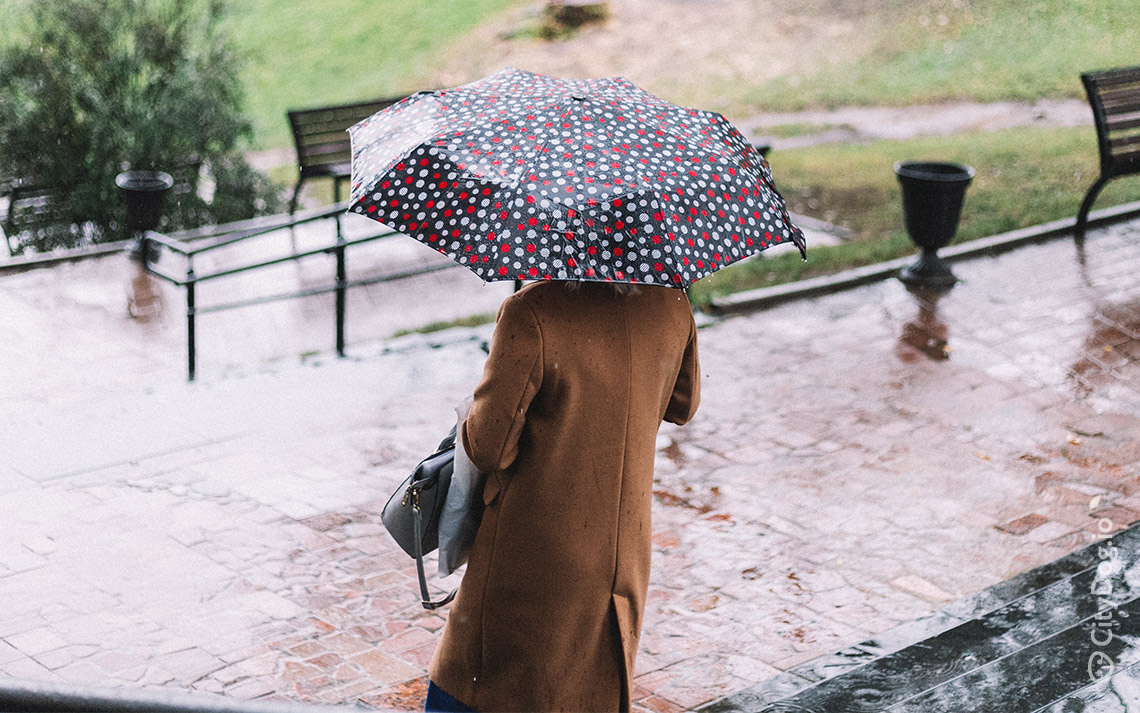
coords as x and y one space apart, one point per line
932 195
143 193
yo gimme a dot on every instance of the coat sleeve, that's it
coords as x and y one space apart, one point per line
687 389
511 378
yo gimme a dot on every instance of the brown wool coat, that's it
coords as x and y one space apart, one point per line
565 424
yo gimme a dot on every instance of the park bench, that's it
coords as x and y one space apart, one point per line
322 141
1114 95
31 208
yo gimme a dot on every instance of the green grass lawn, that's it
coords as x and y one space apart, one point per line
1023 177
308 53
934 50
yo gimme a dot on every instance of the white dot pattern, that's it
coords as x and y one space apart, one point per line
525 176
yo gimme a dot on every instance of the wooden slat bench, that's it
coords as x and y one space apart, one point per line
33 211
321 138
1114 95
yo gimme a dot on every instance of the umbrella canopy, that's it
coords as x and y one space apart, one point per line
525 176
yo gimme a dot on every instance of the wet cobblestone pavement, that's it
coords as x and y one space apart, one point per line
862 464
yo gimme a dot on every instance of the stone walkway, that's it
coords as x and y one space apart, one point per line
1056 639
859 460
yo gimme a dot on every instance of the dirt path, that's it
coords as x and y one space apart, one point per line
694 51
853 124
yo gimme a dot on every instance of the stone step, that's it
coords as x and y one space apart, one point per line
1057 638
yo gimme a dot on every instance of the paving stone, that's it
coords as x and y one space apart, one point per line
249 689
208 685
347 693
656 704
58 658
1117 516
407 696
419 656
307 649
1023 524
9 653
410 638
28 669
921 588
1049 531
37 641
189 665
82 673
383 668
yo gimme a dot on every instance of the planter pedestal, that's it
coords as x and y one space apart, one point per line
928 270
932 196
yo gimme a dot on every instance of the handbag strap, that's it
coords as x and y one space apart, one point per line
425 596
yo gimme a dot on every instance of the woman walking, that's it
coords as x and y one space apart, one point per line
564 422
521 176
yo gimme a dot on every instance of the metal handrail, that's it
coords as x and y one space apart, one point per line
242 230
314 291
255 224
34 696
252 229
264 263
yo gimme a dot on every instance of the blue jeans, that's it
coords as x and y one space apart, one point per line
438 701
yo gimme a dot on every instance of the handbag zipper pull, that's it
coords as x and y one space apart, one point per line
412 493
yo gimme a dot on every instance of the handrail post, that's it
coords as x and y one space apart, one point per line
191 311
341 290
336 201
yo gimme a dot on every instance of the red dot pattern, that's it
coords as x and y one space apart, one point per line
525 176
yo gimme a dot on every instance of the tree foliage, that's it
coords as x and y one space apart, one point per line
101 86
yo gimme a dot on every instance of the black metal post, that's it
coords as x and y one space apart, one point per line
336 201
341 290
191 311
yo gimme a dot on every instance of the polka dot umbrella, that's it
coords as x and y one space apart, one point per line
523 176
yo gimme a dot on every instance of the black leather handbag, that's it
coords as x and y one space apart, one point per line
411 515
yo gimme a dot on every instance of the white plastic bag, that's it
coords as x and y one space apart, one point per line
463 508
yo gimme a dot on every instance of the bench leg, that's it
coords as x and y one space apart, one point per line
293 200
1086 206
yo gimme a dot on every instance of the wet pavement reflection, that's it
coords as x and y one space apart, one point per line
145 299
889 500
925 335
